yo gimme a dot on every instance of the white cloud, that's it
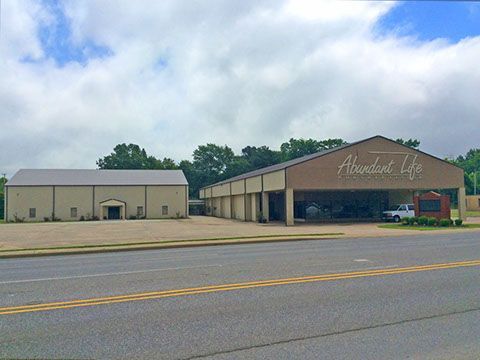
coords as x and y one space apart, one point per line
238 73
331 10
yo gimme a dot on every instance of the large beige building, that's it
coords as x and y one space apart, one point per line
38 195
353 182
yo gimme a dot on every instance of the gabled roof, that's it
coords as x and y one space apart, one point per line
287 164
70 177
281 166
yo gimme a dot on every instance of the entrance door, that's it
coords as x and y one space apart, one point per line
113 212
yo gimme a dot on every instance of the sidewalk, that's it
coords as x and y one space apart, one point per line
76 237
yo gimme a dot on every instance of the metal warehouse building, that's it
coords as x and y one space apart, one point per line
357 181
35 195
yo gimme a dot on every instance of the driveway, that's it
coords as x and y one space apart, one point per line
34 235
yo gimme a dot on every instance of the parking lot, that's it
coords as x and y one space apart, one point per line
36 235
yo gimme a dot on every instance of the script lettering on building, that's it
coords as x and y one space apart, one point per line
386 165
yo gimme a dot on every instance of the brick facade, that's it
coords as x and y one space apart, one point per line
444 212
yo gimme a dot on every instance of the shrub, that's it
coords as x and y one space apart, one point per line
132 217
458 222
18 219
422 220
82 218
432 221
54 218
413 220
444 222
46 219
405 220
261 218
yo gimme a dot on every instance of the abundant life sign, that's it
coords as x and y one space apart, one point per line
395 164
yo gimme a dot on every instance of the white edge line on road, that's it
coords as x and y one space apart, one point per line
108 274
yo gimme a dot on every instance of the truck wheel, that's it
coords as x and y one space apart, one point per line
396 218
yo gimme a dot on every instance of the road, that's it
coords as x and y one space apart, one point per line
380 304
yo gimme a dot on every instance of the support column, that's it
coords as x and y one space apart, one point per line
462 206
253 207
289 207
5 207
265 209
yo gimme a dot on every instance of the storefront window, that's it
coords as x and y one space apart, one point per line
324 206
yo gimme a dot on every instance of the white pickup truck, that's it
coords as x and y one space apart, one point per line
398 212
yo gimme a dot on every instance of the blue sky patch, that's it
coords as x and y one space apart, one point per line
429 20
57 43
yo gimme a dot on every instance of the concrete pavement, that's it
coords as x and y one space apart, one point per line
158 232
419 314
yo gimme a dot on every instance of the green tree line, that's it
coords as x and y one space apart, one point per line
213 163
470 163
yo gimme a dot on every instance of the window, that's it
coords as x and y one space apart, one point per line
73 212
32 213
411 207
165 210
139 210
402 208
429 205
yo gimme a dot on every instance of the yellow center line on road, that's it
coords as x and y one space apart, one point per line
228 287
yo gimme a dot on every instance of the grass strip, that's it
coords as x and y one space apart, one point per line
469 213
428 228
170 241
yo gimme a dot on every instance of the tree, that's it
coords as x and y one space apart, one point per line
332 143
260 157
413 143
195 181
470 163
131 156
211 163
296 148
125 156
213 159
3 181
165 164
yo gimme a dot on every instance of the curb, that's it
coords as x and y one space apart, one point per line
164 246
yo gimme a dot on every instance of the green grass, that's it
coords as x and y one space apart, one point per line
93 246
454 213
427 228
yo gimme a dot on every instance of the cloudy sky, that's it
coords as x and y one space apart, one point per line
78 77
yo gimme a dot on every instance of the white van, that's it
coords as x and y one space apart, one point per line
398 212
